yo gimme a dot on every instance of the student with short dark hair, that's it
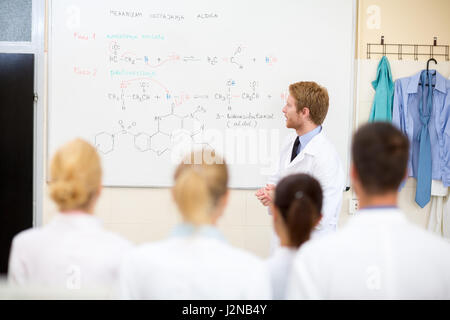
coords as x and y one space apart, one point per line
379 254
296 210
379 157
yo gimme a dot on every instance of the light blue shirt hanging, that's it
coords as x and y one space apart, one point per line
384 93
406 116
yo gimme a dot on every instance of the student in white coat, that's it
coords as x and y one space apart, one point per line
379 254
296 210
196 262
308 150
72 251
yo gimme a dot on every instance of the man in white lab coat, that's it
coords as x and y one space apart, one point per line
308 150
379 254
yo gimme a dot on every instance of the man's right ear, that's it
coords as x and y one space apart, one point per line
305 112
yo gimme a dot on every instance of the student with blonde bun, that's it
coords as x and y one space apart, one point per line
296 211
73 251
195 262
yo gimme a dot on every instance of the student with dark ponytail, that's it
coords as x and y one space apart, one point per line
296 211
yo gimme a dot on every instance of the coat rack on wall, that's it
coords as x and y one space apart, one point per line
416 50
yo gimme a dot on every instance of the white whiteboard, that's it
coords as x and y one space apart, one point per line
144 80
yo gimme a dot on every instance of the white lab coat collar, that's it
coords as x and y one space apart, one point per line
190 230
282 252
312 148
76 220
378 215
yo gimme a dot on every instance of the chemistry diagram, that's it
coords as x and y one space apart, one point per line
172 125
172 128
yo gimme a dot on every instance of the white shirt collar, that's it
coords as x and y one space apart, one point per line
77 219
374 214
187 229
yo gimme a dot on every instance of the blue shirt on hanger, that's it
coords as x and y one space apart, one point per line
406 117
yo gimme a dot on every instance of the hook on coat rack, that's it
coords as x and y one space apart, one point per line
428 64
408 49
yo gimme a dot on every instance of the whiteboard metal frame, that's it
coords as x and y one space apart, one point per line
36 47
354 91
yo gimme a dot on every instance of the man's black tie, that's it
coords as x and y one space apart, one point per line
295 148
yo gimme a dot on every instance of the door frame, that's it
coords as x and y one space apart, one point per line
36 46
